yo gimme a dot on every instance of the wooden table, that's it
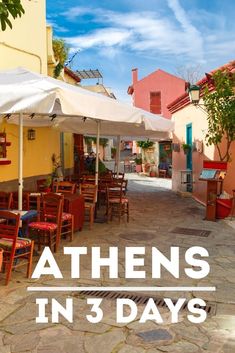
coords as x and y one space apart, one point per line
75 204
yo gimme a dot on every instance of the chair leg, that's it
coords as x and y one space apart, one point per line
127 211
72 228
9 268
30 259
92 211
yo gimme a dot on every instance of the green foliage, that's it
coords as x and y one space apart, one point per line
102 168
10 7
220 107
47 182
145 144
61 50
90 139
186 147
138 160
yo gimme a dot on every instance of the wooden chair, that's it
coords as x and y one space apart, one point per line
14 248
117 203
40 185
89 192
65 187
127 166
5 200
119 176
47 231
25 200
162 173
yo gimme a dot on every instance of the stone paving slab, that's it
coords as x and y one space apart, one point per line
155 211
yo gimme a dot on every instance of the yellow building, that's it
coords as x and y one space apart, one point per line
29 44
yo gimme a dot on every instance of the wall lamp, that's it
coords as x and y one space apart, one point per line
31 134
194 95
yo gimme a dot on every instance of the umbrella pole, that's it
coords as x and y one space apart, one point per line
97 153
118 154
20 166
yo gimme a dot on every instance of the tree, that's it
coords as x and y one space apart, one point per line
61 50
10 7
220 107
190 74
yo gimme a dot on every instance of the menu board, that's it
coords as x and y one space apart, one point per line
208 173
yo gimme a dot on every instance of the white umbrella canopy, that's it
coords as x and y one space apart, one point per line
23 91
31 99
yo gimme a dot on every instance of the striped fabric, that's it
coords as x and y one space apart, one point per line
117 200
6 244
43 225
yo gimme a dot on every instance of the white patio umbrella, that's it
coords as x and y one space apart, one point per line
37 100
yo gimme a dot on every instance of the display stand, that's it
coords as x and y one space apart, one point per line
213 173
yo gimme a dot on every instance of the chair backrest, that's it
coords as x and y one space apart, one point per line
40 184
9 226
65 187
25 199
127 161
88 179
5 200
89 192
118 176
115 191
52 207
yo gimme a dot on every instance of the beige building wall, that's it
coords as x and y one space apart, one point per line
25 44
197 117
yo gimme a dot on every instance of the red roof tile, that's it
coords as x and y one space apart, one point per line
183 100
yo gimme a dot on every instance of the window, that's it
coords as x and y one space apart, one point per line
155 102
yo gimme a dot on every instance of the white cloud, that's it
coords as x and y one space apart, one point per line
141 32
56 27
105 37
172 33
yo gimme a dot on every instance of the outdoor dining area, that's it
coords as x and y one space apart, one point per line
48 218
31 220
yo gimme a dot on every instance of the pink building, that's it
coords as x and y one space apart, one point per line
155 91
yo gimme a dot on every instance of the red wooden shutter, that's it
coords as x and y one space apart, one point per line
155 102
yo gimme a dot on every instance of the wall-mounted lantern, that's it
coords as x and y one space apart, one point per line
31 134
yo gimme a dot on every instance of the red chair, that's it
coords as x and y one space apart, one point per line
66 187
14 248
25 200
47 231
117 202
5 200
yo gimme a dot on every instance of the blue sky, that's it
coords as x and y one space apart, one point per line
116 36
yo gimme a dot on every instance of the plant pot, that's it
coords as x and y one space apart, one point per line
138 168
1 258
152 174
223 208
47 189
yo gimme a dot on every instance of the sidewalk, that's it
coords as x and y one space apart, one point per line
155 212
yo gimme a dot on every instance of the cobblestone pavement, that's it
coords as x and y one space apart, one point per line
155 212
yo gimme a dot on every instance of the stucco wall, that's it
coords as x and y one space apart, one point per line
197 117
36 153
170 86
25 44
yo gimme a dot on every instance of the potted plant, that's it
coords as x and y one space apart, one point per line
153 169
113 152
138 162
47 184
186 148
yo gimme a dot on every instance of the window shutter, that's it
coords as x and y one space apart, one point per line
155 102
